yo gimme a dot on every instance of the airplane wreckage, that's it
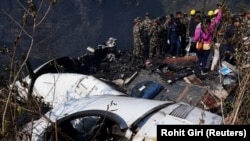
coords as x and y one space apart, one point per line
110 94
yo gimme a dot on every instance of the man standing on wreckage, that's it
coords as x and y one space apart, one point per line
204 31
138 37
229 45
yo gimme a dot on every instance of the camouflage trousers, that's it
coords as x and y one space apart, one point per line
138 48
154 48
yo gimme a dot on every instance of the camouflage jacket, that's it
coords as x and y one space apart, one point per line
138 30
147 24
154 32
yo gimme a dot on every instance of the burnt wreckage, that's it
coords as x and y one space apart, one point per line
177 79
120 73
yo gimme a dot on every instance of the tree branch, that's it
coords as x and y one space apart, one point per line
17 24
18 1
23 64
40 7
15 79
43 17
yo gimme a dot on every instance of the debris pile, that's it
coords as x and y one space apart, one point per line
177 79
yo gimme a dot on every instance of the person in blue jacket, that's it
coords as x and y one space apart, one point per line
174 38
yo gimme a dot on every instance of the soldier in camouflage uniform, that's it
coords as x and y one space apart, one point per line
162 35
138 37
147 22
154 47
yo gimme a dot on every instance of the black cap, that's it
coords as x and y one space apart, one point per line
236 19
147 14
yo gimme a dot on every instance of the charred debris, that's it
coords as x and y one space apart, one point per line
163 78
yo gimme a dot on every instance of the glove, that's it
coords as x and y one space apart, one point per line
168 42
187 49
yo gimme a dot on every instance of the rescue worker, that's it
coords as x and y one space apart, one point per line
205 31
183 30
213 55
230 41
191 28
138 37
147 22
154 47
210 15
174 38
166 24
161 35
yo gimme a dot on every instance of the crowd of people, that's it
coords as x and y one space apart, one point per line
177 35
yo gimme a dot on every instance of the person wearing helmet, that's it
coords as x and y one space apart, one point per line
191 30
